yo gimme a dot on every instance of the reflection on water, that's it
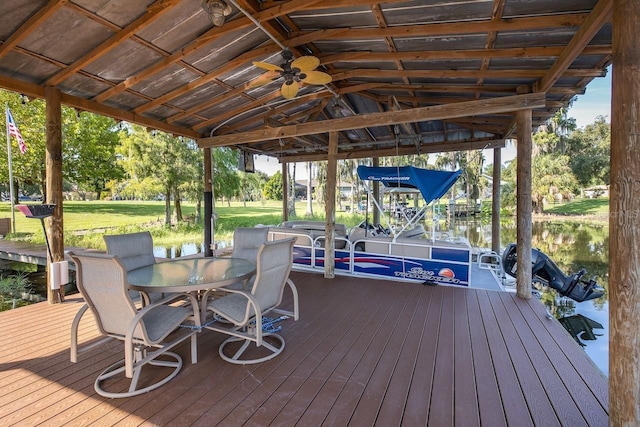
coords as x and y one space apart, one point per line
581 328
571 246
178 251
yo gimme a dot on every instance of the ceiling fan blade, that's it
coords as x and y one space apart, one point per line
267 66
289 90
264 79
316 78
305 63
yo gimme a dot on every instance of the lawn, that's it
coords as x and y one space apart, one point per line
86 222
599 207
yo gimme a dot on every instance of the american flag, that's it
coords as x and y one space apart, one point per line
15 132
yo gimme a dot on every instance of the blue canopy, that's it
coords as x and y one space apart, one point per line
431 183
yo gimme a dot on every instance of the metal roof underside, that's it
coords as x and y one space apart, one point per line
163 64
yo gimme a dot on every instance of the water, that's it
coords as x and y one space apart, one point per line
570 245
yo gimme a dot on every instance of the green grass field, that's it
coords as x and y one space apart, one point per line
599 207
86 222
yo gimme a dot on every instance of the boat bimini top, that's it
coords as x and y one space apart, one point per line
431 183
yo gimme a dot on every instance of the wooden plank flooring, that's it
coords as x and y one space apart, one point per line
364 353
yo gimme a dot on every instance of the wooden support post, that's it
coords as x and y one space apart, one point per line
376 195
208 203
285 192
495 200
53 172
524 204
330 207
624 219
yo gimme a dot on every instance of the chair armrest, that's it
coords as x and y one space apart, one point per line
296 310
128 341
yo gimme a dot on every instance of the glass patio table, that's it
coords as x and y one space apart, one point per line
189 275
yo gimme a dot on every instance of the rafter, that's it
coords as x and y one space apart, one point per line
30 24
153 12
597 18
489 106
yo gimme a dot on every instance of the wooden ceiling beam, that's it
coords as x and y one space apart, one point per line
426 55
274 110
153 12
239 111
440 112
36 91
600 15
461 73
210 36
227 67
443 147
447 28
31 24
506 89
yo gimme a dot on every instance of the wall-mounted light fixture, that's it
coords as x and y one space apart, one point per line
217 11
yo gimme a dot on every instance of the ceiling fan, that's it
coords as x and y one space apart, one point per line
294 71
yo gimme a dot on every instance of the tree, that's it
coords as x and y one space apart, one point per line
553 137
251 185
309 212
273 188
551 175
89 152
88 147
157 158
28 168
226 182
590 153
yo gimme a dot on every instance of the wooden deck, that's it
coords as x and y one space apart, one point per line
365 352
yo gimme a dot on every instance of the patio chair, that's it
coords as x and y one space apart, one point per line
148 333
247 241
134 250
242 311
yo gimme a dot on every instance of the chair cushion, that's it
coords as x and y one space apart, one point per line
232 307
163 319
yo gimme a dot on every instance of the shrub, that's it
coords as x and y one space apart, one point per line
12 287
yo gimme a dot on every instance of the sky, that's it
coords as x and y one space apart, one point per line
595 102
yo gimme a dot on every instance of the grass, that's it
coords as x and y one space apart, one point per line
599 207
85 222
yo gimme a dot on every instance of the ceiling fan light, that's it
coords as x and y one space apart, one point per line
217 11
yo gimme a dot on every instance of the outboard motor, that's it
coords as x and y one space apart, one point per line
547 273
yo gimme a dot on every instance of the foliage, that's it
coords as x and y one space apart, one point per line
590 153
88 147
89 154
251 185
226 182
158 159
564 158
273 188
552 176
12 287
28 168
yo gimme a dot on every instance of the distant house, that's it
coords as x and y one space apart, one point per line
301 189
595 191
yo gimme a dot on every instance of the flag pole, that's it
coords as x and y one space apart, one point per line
13 213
